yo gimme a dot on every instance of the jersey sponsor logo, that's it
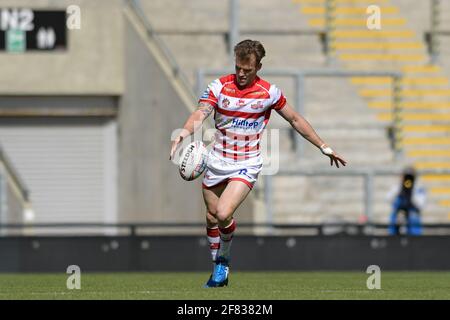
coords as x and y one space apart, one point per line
244 124
257 105
222 121
229 90
256 94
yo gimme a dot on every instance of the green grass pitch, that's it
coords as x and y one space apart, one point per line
243 285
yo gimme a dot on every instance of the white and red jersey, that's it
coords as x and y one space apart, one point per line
241 116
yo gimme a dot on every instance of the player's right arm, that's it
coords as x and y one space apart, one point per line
193 123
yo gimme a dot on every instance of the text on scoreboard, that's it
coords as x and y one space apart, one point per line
26 29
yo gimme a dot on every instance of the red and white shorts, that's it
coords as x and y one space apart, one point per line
219 172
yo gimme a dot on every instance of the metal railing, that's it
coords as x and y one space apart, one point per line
299 77
234 27
367 174
431 36
330 27
432 41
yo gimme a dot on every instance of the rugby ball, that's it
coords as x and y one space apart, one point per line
193 161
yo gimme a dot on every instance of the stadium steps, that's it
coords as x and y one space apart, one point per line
347 205
345 142
425 90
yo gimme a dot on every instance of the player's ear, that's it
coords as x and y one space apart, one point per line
258 67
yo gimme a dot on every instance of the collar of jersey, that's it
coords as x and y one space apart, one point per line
248 88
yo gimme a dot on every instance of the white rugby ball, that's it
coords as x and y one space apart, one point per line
193 160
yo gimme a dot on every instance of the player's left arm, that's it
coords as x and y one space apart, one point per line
306 130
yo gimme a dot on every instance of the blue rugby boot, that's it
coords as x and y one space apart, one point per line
210 283
219 277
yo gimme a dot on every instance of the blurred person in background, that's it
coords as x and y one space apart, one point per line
408 200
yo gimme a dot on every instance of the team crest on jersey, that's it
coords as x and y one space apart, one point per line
225 103
257 105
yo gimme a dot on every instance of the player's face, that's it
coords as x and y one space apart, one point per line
246 70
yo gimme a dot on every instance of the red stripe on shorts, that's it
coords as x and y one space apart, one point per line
242 180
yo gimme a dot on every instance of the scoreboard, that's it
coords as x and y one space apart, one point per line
25 29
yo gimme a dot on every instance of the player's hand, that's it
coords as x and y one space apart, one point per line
175 145
334 158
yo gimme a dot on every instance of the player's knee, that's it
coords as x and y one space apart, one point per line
211 219
224 213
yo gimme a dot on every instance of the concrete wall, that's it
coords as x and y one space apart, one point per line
92 63
150 188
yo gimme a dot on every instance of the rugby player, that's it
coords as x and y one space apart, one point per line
242 103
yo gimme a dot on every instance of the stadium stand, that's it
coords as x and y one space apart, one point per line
424 87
